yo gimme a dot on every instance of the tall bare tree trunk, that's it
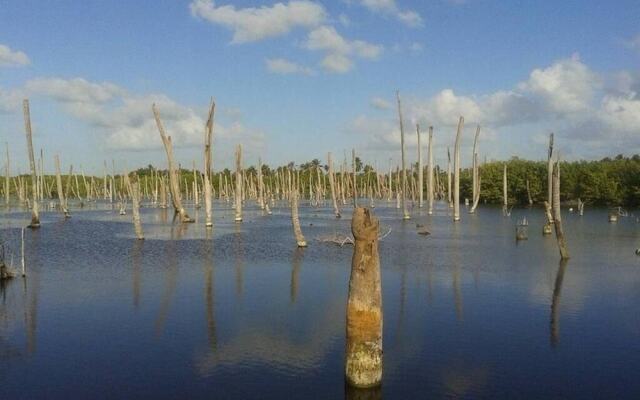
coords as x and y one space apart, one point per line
476 178
134 193
63 200
430 190
550 173
456 173
239 183
449 196
35 216
207 166
505 198
7 178
562 244
332 185
363 364
405 212
420 170
295 219
174 184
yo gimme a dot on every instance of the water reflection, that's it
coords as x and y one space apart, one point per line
170 286
353 393
136 259
555 304
296 261
209 279
238 251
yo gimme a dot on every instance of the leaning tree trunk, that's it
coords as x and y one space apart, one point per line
174 184
449 197
456 173
405 213
420 172
363 364
35 216
332 185
562 244
63 200
430 190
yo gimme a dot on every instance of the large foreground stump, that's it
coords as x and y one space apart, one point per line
363 364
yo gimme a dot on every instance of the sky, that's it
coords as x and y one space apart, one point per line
293 80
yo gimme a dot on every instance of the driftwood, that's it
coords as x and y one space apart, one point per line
35 216
363 361
456 173
174 185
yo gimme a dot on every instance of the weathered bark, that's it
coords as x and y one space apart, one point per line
63 200
134 193
363 365
475 196
456 173
420 171
174 185
207 166
295 219
332 185
562 244
405 213
239 182
505 198
550 173
430 190
7 178
35 216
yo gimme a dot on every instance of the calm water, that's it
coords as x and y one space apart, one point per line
468 312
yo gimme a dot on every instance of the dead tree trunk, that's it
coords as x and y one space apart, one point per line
63 200
7 178
562 244
134 193
405 213
207 166
35 216
456 173
505 199
430 190
550 173
363 364
239 182
476 177
295 219
449 196
332 185
174 184
420 170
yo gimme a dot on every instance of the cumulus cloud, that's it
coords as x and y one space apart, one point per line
566 97
390 7
286 67
258 23
338 50
12 58
125 119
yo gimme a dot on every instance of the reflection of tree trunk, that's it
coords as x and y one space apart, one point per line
209 296
238 250
354 393
136 256
31 316
170 288
457 293
555 304
296 261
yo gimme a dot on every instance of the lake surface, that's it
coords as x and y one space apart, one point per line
242 313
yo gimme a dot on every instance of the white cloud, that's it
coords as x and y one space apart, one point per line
380 103
566 86
340 50
125 119
10 100
344 20
255 24
390 7
11 58
285 67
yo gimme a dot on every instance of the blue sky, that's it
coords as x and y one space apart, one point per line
293 80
